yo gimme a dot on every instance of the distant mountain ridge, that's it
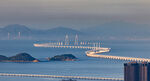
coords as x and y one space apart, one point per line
108 31
21 57
62 30
26 33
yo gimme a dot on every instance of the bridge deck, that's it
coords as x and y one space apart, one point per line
92 53
56 76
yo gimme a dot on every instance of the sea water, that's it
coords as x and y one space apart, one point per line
85 66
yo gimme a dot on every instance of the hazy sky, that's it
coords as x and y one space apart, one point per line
72 13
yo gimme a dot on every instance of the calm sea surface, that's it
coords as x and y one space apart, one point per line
86 66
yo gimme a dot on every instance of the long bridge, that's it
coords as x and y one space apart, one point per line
95 52
49 45
97 55
63 77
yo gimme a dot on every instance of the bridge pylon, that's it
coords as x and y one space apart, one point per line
19 35
99 44
67 40
76 40
8 35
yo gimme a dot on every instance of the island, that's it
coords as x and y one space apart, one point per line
25 57
3 58
21 57
63 57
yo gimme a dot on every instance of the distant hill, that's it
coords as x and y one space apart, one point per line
27 33
64 57
25 57
60 32
63 30
14 30
21 57
107 31
2 57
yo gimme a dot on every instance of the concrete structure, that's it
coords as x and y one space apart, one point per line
148 72
97 55
95 52
67 77
67 40
76 40
55 45
8 35
19 35
134 71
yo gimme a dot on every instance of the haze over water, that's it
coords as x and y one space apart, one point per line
122 25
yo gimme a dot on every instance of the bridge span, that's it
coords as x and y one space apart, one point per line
63 77
68 46
95 52
97 55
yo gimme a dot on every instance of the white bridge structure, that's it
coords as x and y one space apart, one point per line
91 53
63 77
60 45
94 51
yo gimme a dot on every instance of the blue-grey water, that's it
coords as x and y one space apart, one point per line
85 66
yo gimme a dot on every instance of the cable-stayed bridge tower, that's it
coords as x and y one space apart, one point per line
19 35
67 40
76 40
99 44
8 35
